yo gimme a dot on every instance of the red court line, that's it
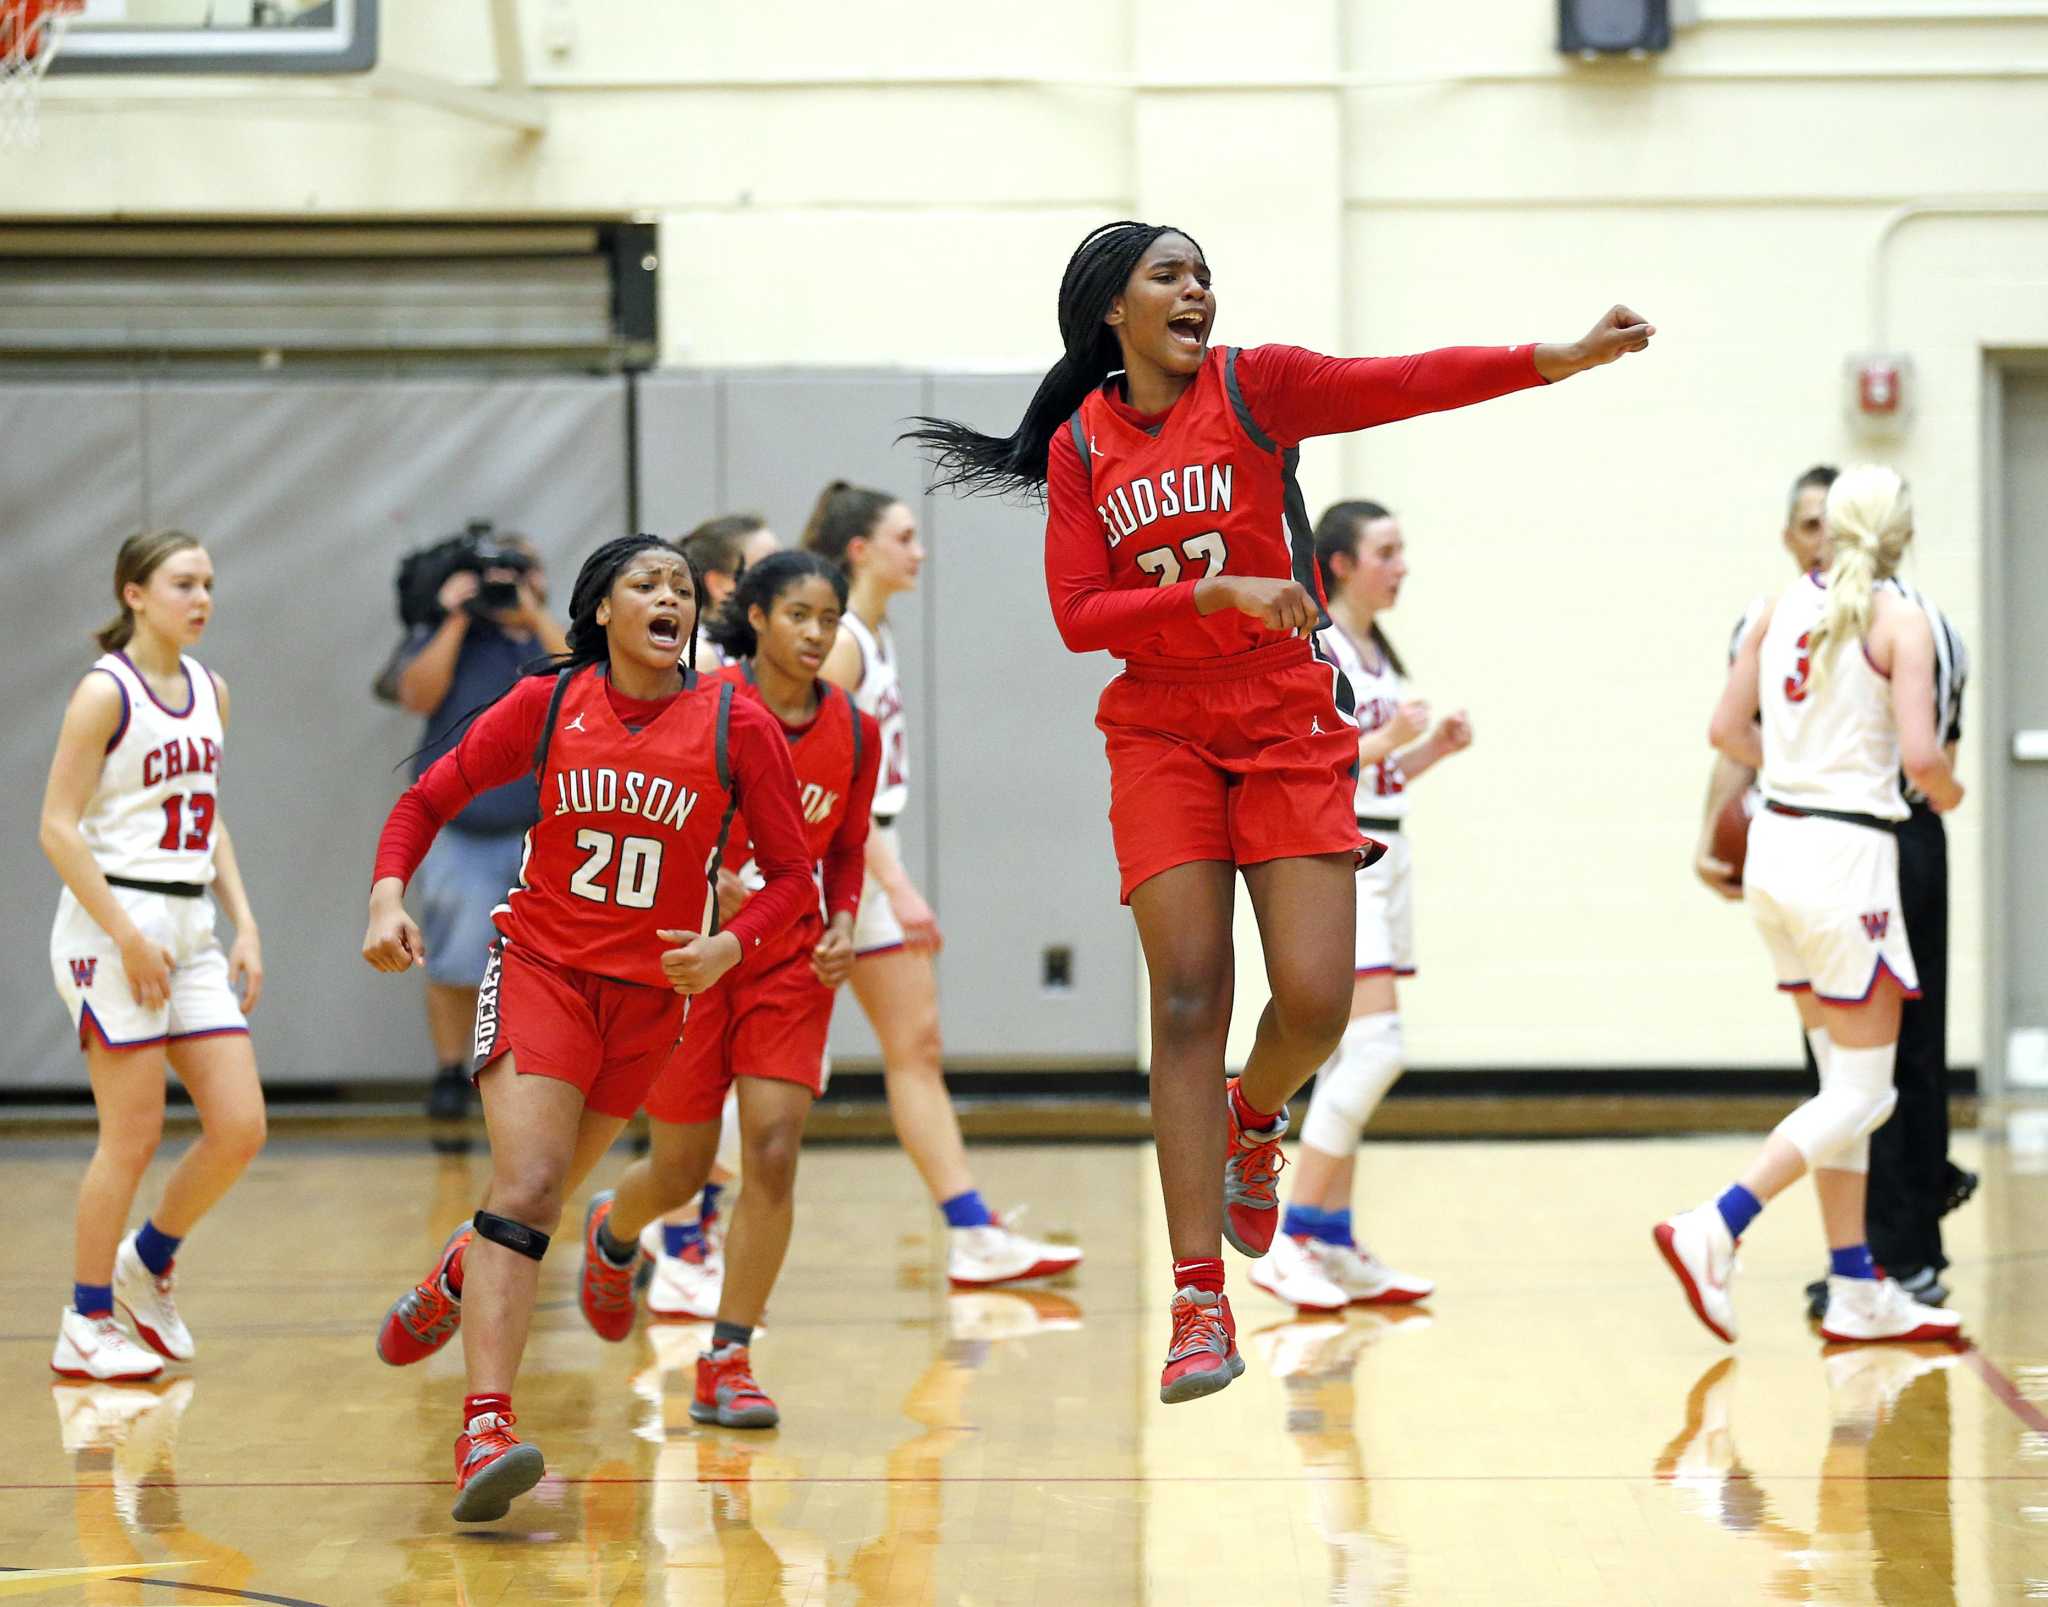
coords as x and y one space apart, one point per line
2005 1389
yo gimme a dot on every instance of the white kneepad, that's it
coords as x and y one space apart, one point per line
1833 1128
1352 1083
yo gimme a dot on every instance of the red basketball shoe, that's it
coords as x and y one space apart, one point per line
425 1317
491 1467
1251 1203
1203 1356
607 1297
727 1394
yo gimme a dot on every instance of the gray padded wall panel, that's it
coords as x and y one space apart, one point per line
1023 846
678 419
70 487
784 437
305 494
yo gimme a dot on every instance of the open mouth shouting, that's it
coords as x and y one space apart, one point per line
1190 328
665 631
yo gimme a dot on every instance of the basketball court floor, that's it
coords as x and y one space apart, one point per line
1554 1428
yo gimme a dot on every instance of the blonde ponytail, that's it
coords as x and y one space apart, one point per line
1870 524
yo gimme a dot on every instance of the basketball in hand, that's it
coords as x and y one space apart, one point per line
1731 832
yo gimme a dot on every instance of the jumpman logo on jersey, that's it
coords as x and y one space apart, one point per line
576 724
1315 725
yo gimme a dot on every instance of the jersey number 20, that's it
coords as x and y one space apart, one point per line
639 869
1161 561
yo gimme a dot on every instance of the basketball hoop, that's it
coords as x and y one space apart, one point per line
30 32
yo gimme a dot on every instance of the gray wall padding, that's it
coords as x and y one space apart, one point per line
307 491
305 494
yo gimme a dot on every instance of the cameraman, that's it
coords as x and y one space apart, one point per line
494 620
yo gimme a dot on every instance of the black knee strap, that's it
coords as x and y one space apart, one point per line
529 1242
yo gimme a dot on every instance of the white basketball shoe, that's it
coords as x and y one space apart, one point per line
1872 1310
1700 1251
1291 1272
1365 1279
997 1253
99 1348
148 1301
683 1288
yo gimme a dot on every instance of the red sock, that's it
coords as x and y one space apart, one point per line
474 1406
1248 1115
1206 1275
453 1275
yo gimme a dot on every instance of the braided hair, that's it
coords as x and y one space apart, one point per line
965 460
594 582
761 587
587 641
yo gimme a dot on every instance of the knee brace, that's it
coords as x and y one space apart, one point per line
1833 1128
1352 1083
517 1236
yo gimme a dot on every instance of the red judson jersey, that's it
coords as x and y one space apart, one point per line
837 758
1141 507
633 823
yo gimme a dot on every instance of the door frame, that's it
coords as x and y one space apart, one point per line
1995 718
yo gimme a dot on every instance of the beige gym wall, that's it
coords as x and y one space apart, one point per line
899 183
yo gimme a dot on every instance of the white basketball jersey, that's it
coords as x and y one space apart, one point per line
1835 747
880 693
1376 698
151 817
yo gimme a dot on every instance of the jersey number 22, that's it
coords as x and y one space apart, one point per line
1208 545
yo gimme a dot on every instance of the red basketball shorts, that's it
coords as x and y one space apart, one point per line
1242 759
608 1038
770 1023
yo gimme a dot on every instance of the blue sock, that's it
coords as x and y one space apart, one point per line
1852 1262
967 1211
676 1237
156 1249
1738 1209
1302 1222
1337 1228
92 1299
707 1208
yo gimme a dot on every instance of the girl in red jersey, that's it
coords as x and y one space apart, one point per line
1177 539
612 926
765 1027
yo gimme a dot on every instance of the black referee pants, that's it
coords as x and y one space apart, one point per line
1909 1154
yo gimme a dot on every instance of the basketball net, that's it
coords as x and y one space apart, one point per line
30 32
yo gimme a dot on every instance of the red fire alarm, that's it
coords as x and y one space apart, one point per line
1878 391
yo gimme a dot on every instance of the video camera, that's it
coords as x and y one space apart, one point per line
477 548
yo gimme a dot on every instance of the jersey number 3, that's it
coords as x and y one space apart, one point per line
1208 545
1795 683
639 869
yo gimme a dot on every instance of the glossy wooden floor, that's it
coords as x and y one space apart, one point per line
1555 1428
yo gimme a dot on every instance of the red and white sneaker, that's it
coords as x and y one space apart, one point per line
1290 1273
425 1317
1203 1356
1876 1310
1698 1248
1251 1169
492 1465
99 1348
680 1288
998 1253
606 1295
1365 1279
150 1306
727 1394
